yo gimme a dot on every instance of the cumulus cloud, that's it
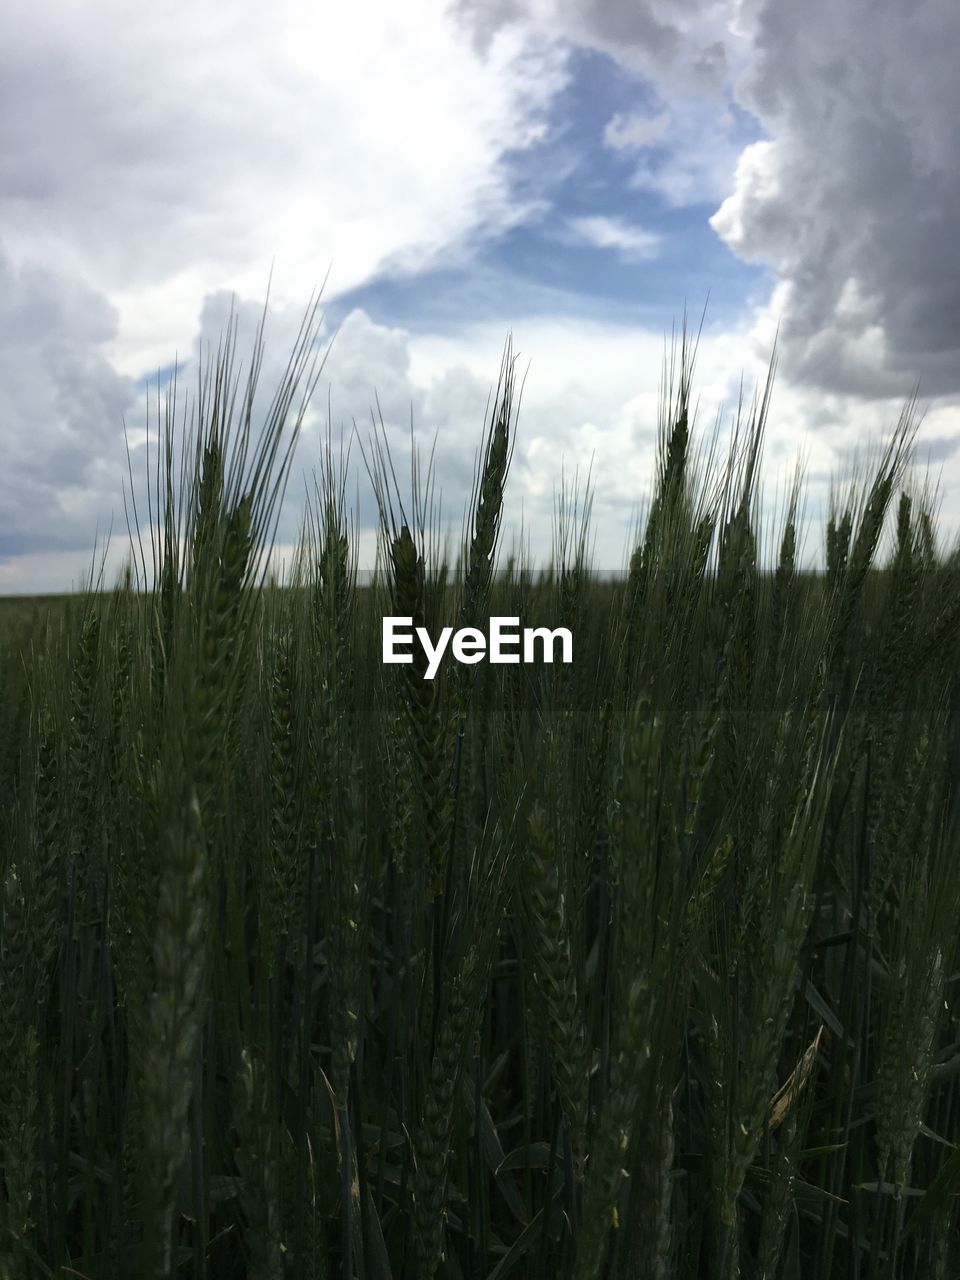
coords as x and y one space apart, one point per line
587 400
180 153
589 405
363 389
148 164
852 201
149 167
849 200
688 55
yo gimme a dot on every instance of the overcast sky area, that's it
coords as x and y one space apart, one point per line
573 171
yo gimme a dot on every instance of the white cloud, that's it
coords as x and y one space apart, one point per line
680 46
688 54
695 159
852 201
148 163
589 397
856 185
589 404
168 156
632 243
623 131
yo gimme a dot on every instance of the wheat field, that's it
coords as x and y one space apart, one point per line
637 967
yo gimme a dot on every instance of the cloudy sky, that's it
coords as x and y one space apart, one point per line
573 171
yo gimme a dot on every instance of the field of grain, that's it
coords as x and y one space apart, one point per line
641 967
